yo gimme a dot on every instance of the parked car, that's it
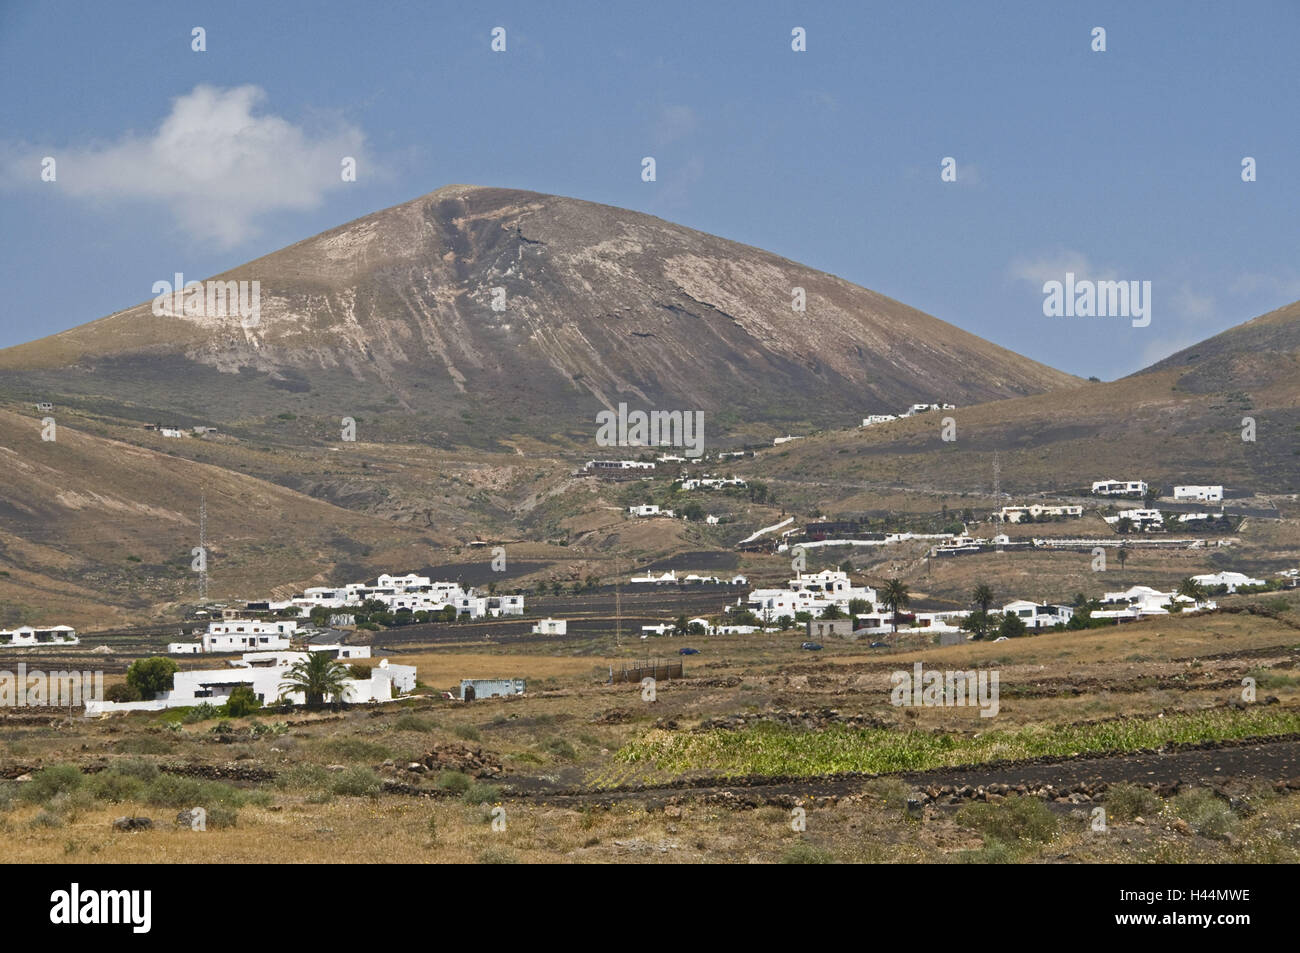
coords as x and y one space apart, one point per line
879 645
811 647
686 651
1000 638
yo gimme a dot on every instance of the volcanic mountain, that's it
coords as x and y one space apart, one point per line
480 312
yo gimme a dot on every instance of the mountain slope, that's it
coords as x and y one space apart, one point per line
94 530
600 305
1257 353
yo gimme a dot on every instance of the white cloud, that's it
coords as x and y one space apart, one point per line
1052 266
214 164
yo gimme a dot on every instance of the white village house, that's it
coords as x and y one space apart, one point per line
551 627
1140 601
649 509
1207 494
264 673
1038 615
409 592
26 635
240 635
1232 580
1014 514
809 592
1140 518
1119 488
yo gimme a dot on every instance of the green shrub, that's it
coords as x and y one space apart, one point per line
145 744
479 793
1016 819
467 733
221 815
561 748
1124 802
454 781
242 702
171 790
46 819
1205 812
497 855
122 692
806 853
357 781
413 723
115 788
993 852
203 711
47 782
302 775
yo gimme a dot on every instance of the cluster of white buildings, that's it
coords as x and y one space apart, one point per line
240 635
1138 602
1140 518
912 411
712 483
411 592
670 578
265 674
27 635
809 592
1014 514
616 466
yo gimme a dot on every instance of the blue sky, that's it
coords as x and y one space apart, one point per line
1123 164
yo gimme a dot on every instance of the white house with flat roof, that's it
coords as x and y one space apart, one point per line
1119 488
1232 580
265 674
551 627
1206 494
1014 514
29 635
1038 615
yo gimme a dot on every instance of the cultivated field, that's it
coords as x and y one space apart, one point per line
762 752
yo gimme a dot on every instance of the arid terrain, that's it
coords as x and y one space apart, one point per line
761 752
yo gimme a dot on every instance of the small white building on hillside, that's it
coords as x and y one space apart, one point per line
1014 514
28 635
1207 494
1119 488
1233 580
1039 615
551 627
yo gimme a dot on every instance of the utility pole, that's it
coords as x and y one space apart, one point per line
203 547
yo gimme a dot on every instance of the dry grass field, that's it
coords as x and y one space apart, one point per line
762 753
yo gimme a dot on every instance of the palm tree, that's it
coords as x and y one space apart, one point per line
895 596
1192 589
982 596
1123 555
318 677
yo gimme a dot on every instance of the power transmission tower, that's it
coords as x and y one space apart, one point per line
997 478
